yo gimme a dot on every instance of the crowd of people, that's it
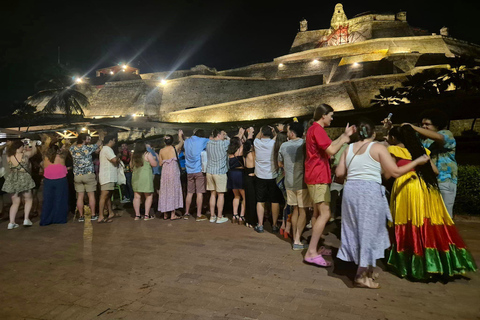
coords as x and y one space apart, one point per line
293 172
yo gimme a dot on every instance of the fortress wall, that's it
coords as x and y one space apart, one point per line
340 95
125 97
367 88
422 44
279 105
198 91
259 70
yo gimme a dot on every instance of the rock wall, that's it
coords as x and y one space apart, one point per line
199 91
126 97
340 95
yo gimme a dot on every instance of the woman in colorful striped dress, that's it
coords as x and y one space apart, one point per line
426 243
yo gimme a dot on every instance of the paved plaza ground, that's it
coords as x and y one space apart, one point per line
198 270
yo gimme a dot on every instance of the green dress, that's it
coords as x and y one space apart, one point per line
142 178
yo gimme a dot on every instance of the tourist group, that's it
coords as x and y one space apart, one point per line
396 194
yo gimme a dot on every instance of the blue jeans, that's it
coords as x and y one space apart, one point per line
449 192
127 188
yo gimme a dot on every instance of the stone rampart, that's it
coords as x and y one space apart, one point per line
340 95
199 91
126 97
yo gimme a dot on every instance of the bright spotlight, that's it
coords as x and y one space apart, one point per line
281 65
84 129
355 64
163 82
134 115
111 72
78 80
124 67
315 61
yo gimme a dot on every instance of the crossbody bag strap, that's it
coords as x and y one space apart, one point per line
349 163
21 165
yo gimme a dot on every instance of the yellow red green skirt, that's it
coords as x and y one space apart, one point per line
426 240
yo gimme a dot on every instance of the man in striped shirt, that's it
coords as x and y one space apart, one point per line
217 172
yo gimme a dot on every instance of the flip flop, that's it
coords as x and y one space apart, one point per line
105 221
176 218
325 251
318 261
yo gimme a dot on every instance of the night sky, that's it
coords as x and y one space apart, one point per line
167 35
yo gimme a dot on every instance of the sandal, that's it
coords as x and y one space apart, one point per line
165 216
235 218
241 220
175 218
148 217
137 218
282 231
186 216
366 282
104 220
318 261
325 251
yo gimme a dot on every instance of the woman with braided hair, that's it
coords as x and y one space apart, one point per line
426 240
364 205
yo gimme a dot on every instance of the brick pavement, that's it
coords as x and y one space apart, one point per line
197 270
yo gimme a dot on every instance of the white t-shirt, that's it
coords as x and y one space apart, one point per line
264 168
108 172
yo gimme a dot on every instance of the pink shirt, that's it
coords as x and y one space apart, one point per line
55 171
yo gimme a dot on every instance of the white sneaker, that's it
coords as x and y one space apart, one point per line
125 200
213 219
27 223
309 225
222 220
12 226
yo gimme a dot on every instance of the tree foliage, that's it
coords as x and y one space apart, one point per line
431 84
60 93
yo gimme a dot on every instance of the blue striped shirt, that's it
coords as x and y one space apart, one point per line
217 156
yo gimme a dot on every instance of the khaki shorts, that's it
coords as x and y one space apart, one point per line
85 183
110 186
196 182
217 182
299 198
319 192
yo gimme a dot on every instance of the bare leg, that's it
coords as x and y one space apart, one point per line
275 213
101 205
324 209
137 199
80 196
242 210
213 201
148 203
14 207
236 201
199 204
260 212
111 214
27 196
294 224
91 202
188 202
220 203
300 225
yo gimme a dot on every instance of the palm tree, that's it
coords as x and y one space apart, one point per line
61 94
388 96
25 112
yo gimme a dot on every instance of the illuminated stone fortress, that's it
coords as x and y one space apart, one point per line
344 66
